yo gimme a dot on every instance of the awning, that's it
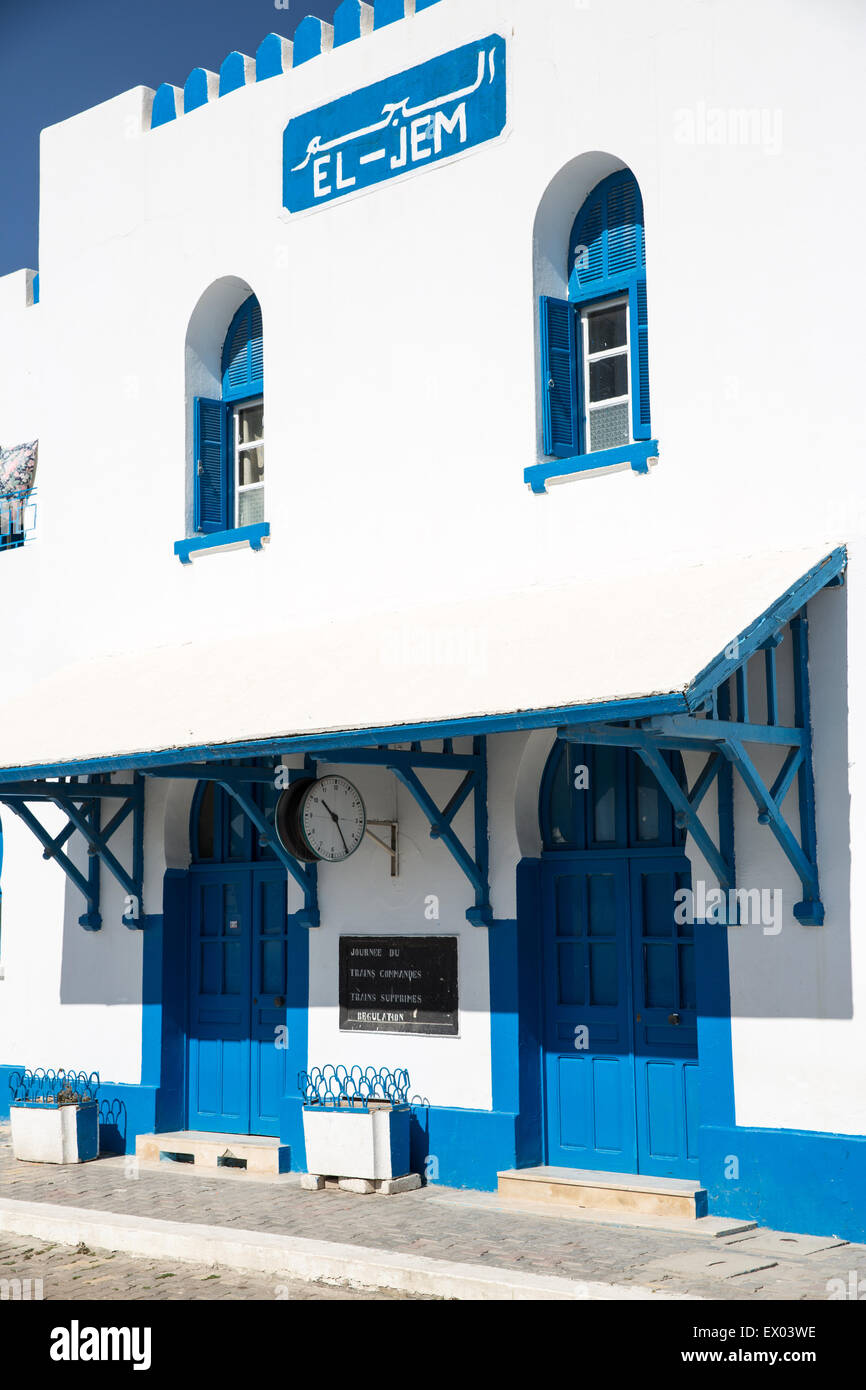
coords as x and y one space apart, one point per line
604 648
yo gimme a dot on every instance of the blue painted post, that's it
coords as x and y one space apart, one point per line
236 71
167 105
424 4
312 37
725 793
352 20
273 57
199 88
810 912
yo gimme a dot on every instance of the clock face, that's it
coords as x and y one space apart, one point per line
332 818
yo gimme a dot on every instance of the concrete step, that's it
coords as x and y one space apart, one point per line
257 1154
583 1188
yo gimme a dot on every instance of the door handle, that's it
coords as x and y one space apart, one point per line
674 1019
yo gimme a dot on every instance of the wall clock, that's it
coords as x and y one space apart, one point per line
321 818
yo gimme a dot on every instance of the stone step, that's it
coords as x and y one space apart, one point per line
587 1189
257 1154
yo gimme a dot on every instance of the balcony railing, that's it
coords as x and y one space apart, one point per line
17 518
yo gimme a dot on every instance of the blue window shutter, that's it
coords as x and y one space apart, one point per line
211 465
243 359
559 377
640 402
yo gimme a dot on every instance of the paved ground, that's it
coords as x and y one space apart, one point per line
61 1272
432 1221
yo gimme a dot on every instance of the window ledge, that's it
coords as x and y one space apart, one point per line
253 536
637 456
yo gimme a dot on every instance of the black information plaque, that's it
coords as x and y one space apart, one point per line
398 984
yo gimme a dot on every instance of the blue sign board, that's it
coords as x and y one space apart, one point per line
410 121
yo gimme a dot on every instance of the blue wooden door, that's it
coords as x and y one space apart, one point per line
589 1067
620 1032
268 1041
665 1025
219 1005
237 1005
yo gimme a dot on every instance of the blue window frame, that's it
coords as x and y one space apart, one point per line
594 356
229 433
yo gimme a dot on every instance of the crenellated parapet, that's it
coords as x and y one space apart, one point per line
275 55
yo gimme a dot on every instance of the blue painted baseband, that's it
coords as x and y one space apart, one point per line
787 1179
637 456
222 540
462 1148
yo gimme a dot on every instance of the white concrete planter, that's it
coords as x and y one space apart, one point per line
55 1133
343 1142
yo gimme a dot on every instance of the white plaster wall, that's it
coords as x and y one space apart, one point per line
360 898
68 997
401 406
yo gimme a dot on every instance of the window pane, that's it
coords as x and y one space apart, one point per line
569 959
251 423
604 768
251 466
648 808
608 377
608 427
251 507
206 823
607 329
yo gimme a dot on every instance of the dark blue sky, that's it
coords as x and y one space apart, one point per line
58 57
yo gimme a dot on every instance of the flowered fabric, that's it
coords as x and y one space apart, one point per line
18 467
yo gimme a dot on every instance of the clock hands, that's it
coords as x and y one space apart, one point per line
336 819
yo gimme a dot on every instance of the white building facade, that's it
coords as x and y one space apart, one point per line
445 403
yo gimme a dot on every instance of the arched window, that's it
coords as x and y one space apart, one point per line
596 797
229 432
594 344
221 833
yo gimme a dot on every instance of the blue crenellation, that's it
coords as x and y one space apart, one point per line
236 71
352 19
389 11
312 37
273 57
167 103
198 89
276 55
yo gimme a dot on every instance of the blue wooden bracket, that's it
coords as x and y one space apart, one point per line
305 875
405 764
81 803
726 739
474 866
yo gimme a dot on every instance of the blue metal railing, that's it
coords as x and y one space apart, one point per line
353 1088
44 1086
17 518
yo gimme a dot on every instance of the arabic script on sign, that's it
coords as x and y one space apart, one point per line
430 113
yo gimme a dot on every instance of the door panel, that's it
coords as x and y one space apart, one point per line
620 1057
219 1039
268 1052
589 1075
666 1031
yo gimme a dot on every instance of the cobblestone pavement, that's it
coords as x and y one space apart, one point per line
61 1272
432 1221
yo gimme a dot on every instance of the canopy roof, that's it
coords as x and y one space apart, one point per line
606 647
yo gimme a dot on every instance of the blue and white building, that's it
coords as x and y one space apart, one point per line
464 402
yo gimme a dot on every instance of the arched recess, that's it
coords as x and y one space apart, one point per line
560 203
203 365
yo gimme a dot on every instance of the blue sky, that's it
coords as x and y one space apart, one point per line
58 57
